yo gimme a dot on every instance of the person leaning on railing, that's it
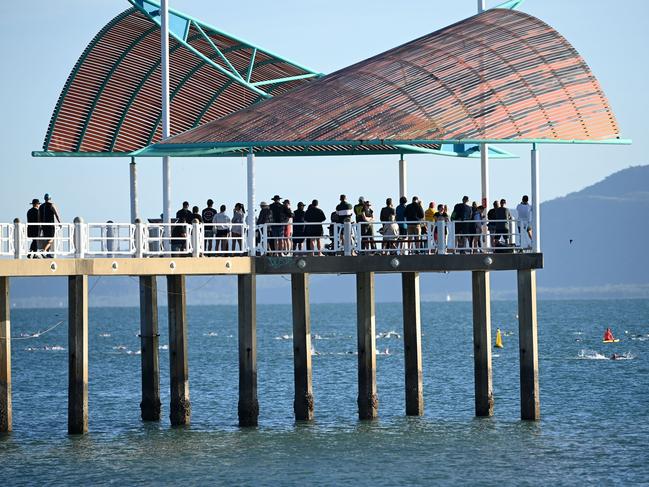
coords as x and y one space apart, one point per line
238 217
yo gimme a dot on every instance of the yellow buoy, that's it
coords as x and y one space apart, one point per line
499 339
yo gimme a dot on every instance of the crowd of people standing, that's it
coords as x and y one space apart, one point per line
406 226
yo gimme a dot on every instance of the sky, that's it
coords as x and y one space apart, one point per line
41 40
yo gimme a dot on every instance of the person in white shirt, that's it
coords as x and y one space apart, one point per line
222 230
524 211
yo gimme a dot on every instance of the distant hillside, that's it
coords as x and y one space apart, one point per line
594 244
597 237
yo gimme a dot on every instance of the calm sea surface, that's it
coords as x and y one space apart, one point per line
595 411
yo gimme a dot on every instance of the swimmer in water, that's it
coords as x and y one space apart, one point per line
615 356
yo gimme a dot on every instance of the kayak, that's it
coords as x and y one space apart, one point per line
611 341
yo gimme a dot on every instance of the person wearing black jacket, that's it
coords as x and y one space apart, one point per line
48 216
314 233
34 230
414 216
462 213
299 230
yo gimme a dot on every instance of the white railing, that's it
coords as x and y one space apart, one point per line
112 240
7 239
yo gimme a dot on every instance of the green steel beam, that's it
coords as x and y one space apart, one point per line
216 31
252 63
218 51
108 78
283 80
493 152
171 149
510 5
76 69
238 78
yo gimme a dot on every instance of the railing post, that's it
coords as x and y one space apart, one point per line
441 236
359 237
196 239
336 237
429 237
264 239
139 238
18 248
347 235
79 247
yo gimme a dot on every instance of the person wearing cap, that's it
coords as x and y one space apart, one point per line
276 234
33 227
344 211
359 208
49 216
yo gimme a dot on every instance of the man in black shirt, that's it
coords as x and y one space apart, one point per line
48 215
387 211
491 225
33 230
276 233
461 213
414 215
208 217
184 215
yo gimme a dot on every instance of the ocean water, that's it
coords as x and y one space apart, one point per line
594 427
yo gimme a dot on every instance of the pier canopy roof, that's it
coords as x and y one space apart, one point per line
111 102
501 76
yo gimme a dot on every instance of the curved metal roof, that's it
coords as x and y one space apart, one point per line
500 76
111 101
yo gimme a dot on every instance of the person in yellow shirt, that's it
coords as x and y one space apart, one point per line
429 214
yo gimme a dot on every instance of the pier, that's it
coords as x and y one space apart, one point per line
409 264
499 77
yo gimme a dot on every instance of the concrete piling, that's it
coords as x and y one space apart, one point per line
368 399
248 407
78 354
484 400
303 402
5 357
180 407
149 341
412 344
528 345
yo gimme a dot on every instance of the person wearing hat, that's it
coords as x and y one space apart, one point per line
33 227
48 216
276 234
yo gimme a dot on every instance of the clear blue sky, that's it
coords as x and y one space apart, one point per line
42 39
